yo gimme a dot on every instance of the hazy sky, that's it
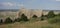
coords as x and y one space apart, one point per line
30 4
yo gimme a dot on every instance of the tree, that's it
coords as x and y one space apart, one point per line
24 18
34 16
51 14
8 20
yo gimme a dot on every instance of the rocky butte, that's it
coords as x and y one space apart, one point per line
28 12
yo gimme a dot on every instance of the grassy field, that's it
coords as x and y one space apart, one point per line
30 24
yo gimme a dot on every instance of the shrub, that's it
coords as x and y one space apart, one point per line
51 14
54 20
17 20
34 16
58 14
24 18
42 17
8 20
1 21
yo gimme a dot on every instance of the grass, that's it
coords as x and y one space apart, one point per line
54 20
36 24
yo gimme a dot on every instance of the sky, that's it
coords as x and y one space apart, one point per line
30 4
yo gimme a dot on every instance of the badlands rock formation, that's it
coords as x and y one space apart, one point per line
29 12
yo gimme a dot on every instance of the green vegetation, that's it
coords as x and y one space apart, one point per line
47 27
52 18
56 19
47 21
1 21
58 14
8 20
34 16
17 20
50 14
42 17
24 18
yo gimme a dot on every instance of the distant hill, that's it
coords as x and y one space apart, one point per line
14 10
52 10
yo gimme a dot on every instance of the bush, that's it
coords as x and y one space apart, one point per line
58 14
17 20
51 14
34 16
1 21
24 18
42 17
8 20
54 20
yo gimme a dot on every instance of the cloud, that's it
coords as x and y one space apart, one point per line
54 0
30 1
9 4
57 0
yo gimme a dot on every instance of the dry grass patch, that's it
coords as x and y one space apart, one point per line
38 24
